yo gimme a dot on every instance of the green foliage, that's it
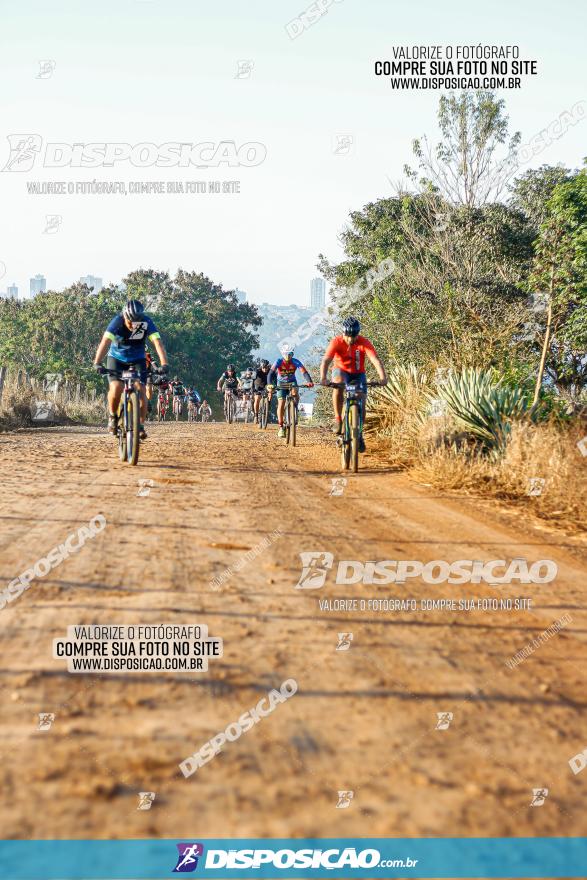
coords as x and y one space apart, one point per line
560 270
483 406
202 326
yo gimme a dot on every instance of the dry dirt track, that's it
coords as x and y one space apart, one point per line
363 720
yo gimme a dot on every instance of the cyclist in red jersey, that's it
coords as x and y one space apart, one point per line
347 354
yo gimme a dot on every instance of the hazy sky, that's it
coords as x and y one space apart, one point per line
155 71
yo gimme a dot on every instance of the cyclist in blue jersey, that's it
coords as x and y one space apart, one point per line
126 337
284 371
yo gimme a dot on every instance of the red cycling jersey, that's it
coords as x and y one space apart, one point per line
350 358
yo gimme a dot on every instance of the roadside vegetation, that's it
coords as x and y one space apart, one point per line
482 319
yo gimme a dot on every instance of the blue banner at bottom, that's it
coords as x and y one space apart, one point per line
304 858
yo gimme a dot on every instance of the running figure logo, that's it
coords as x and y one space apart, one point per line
187 860
23 151
344 641
315 566
46 719
146 799
344 799
539 795
444 719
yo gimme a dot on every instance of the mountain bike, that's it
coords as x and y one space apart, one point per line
247 406
162 405
263 408
290 415
353 416
129 412
177 406
192 411
229 405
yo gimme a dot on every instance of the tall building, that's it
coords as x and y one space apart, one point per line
38 284
317 293
240 295
12 291
92 281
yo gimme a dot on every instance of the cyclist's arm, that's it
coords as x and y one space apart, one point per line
373 357
160 349
305 373
220 383
103 347
326 361
272 374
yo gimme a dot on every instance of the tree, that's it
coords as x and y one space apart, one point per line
464 167
560 271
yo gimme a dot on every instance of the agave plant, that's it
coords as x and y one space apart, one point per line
483 406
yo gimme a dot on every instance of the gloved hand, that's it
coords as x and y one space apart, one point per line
99 369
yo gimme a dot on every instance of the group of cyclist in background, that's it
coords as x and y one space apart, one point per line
125 343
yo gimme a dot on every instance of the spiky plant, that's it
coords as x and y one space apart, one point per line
483 406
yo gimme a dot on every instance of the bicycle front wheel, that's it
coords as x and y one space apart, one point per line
355 431
121 431
263 409
292 422
133 421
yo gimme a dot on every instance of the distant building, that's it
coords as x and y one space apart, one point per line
317 293
240 295
92 281
12 291
38 284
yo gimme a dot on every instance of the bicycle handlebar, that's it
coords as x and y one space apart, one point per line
377 384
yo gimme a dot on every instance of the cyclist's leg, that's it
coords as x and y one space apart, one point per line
115 388
281 397
337 399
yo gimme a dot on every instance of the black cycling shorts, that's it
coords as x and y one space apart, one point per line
114 364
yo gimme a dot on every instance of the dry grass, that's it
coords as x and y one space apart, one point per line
544 452
19 405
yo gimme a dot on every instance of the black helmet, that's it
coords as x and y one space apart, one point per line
351 327
230 368
265 363
133 310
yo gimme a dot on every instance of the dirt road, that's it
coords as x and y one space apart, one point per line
363 720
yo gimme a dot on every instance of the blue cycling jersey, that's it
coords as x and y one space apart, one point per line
128 346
